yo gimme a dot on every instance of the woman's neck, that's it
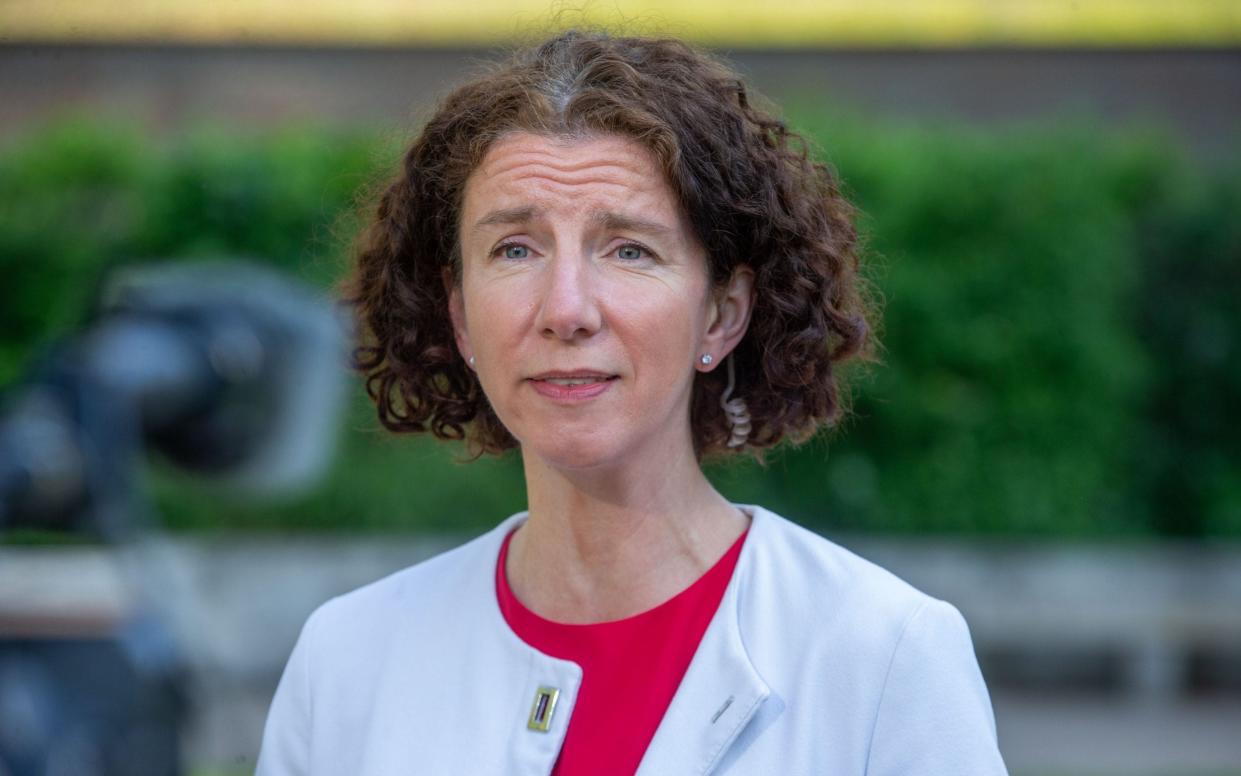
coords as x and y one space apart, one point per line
602 546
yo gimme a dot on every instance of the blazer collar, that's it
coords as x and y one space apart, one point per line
721 691
719 694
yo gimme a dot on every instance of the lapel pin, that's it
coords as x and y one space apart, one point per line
541 711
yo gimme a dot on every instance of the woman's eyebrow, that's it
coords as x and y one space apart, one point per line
512 215
607 219
620 222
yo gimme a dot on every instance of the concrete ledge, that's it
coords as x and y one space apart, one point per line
241 602
1049 618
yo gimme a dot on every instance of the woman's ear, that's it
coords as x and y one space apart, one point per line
456 312
729 315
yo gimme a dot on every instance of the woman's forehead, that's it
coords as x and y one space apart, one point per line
525 159
535 174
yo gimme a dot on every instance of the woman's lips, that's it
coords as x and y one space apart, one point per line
560 392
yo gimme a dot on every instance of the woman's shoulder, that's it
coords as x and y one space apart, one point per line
440 585
837 635
818 580
801 554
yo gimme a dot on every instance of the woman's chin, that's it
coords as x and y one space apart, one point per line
574 454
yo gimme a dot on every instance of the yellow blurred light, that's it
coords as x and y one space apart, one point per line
725 22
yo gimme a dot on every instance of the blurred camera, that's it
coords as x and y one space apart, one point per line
226 369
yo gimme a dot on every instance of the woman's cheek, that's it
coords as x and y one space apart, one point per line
499 309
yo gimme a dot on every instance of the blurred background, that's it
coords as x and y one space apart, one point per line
1051 198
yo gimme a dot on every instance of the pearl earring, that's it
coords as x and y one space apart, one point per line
471 361
706 359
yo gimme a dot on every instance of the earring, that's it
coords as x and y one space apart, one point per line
471 361
735 410
706 359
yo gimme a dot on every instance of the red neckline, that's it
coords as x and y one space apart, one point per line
510 605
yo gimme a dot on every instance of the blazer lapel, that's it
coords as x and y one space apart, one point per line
719 695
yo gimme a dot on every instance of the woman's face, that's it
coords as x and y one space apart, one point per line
584 298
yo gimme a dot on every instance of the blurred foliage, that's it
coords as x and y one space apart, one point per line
1190 451
1061 344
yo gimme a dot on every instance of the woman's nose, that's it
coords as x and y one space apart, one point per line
568 306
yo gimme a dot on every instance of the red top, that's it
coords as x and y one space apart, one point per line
630 668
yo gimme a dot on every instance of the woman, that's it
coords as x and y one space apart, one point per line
576 244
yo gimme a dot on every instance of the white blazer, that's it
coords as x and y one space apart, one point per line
816 662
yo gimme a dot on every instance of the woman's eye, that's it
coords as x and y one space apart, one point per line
630 252
514 251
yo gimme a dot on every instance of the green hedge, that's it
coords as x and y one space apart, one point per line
1061 340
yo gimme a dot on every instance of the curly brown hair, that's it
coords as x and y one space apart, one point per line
751 191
